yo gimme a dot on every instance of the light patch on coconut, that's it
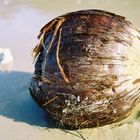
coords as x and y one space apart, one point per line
114 110
78 98
39 83
126 107
65 111
86 98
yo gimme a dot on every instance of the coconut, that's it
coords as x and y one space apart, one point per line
87 68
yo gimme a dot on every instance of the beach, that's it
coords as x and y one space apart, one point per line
20 117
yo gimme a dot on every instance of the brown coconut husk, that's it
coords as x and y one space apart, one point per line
87 68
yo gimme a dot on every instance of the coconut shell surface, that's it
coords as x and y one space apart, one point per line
87 69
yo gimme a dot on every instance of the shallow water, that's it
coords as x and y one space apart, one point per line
21 20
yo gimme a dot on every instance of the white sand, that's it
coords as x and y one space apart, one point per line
22 119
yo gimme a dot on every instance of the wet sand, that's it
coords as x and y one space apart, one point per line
20 117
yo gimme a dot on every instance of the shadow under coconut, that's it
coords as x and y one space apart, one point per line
16 102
